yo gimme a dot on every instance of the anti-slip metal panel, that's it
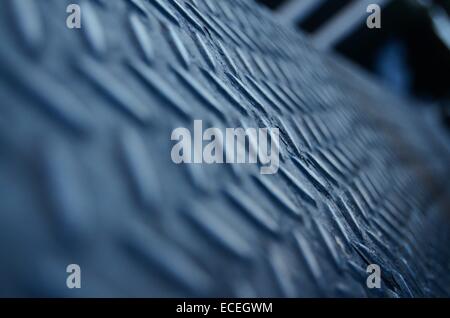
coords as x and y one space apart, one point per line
87 176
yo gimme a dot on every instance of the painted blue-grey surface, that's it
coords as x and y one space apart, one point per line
86 175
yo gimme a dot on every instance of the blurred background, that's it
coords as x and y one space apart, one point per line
410 53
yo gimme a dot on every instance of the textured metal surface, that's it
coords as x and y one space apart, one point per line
86 174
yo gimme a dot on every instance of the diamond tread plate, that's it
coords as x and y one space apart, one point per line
86 174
